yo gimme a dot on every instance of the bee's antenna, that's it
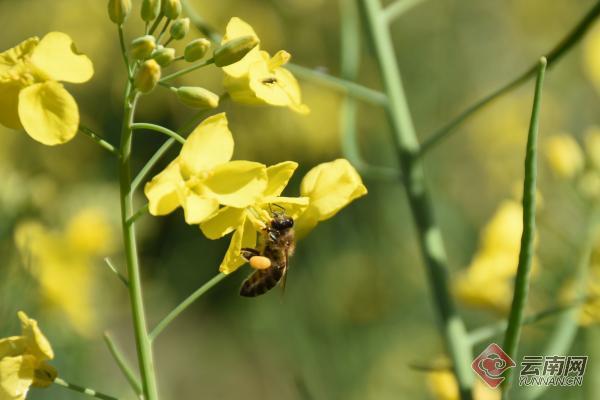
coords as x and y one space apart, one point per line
281 207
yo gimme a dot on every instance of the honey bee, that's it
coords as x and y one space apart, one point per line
271 262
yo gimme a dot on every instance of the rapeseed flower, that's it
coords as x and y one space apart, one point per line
259 78
202 176
564 155
31 95
324 191
444 387
23 361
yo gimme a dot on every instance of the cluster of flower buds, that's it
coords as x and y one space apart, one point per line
150 54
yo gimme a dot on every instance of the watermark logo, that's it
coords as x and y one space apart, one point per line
491 364
552 370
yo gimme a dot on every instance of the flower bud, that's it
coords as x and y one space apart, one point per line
234 50
150 9
118 10
196 49
171 8
180 28
164 55
142 47
197 97
147 76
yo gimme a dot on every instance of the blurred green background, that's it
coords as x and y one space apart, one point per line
357 312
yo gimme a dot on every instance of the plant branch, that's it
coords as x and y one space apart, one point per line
98 140
158 128
186 70
398 8
429 234
517 310
566 44
139 213
124 53
114 270
122 364
84 390
185 304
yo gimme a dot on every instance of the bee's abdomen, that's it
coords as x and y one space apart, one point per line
261 281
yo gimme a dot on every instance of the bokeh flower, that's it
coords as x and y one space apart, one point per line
564 155
443 386
23 361
202 176
259 78
63 263
487 282
324 191
31 95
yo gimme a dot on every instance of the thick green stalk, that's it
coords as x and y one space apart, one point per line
555 54
517 310
429 234
143 343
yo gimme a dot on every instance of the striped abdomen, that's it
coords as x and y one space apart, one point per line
261 281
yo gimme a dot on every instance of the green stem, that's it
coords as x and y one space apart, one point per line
186 70
553 56
84 390
155 24
122 364
350 62
115 271
429 234
124 53
342 85
158 128
143 344
185 304
164 29
521 291
139 213
398 8
98 140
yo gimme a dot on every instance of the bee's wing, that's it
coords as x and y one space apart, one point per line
284 275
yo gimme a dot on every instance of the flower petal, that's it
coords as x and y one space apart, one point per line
11 57
57 56
48 113
331 186
224 221
238 28
244 236
37 344
236 183
294 206
162 190
16 376
12 346
9 103
209 145
198 209
279 176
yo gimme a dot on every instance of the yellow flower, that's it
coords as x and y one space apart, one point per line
23 361
488 280
564 155
63 263
246 222
325 190
259 78
202 176
31 96
330 187
444 387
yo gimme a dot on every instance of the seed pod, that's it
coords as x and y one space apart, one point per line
118 10
180 28
234 50
197 97
150 9
171 8
196 49
142 47
147 76
164 56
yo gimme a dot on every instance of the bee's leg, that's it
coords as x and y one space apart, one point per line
273 234
247 253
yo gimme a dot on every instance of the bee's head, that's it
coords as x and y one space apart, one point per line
282 221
